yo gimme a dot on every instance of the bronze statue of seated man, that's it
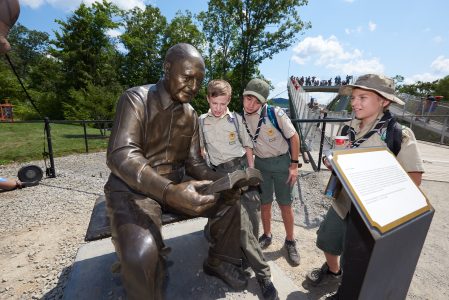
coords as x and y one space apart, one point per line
154 143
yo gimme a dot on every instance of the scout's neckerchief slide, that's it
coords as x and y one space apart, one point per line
383 122
334 186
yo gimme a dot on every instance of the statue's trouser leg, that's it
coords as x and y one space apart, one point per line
251 248
251 201
135 228
224 231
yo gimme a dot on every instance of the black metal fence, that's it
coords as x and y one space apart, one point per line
102 125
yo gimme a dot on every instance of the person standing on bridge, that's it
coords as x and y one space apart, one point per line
278 165
373 126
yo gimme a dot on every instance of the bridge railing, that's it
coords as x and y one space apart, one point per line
429 121
310 122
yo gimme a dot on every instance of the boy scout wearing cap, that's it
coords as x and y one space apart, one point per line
227 145
370 97
279 170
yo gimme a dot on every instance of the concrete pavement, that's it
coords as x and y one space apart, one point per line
91 276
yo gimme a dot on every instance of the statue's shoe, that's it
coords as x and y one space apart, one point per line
227 272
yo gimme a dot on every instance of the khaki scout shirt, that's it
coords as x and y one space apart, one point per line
409 156
222 139
270 142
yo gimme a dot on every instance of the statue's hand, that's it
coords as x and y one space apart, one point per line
184 197
231 196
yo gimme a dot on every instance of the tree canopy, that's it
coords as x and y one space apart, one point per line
241 34
99 50
438 87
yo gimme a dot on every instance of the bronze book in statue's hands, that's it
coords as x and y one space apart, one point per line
236 179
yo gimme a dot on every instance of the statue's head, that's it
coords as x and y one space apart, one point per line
183 72
9 12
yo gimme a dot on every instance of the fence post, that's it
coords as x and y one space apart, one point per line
443 130
323 131
85 137
50 172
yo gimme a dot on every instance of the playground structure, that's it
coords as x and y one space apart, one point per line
6 111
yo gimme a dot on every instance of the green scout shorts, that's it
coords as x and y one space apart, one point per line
275 174
331 234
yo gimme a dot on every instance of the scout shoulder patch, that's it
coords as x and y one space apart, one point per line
232 136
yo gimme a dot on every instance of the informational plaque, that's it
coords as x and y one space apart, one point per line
382 189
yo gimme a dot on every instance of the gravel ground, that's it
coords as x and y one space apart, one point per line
42 227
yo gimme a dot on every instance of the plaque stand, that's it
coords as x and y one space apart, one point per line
386 227
381 266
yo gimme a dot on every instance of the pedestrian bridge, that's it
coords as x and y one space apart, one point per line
322 88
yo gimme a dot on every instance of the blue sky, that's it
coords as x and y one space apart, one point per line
391 37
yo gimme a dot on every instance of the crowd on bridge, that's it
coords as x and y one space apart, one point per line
315 81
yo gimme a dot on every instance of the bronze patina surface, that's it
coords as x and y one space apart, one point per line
9 12
154 143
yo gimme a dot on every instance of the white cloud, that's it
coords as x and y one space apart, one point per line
32 3
113 33
349 1
440 69
372 26
300 60
424 77
280 89
330 54
359 66
73 4
358 29
326 50
440 65
437 39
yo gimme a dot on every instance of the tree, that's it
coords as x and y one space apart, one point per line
182 29
93 103
83 47
143 38
442 88
419 89
89 60
39 73
258 30
28 47
398 79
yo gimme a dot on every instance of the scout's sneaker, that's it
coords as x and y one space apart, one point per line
292 253
269 292
323 276
265 241
227 272
333 296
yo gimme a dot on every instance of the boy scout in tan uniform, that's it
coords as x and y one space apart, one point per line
278 165
370 97
227 145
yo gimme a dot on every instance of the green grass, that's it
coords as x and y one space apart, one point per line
22 142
